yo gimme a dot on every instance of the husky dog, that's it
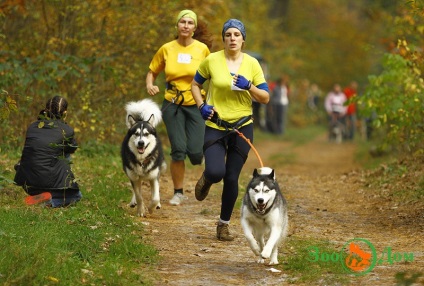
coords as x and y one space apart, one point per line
264 215
141 152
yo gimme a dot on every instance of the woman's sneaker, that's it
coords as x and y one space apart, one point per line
223 232
202 188
177 199
45 198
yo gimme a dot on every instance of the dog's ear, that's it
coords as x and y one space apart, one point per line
272 175
131 120
151 120
255 173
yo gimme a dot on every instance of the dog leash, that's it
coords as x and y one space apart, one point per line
251 146
217 120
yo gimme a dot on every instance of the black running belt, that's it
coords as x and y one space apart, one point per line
229 127
179 93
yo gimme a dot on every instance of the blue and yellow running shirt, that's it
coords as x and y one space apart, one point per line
230 104
180 64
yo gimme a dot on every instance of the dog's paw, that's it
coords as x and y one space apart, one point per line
273 262
141 211
140 214
265 254
132 205
260 260
154 206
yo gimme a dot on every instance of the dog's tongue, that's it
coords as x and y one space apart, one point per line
140 150
261 207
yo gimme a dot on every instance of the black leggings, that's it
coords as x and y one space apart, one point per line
224 159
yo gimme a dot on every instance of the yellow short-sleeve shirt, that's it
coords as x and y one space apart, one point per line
180 64
230 104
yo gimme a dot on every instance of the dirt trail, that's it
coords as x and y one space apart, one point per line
324 189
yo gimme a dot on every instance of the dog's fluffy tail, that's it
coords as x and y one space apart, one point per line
143 110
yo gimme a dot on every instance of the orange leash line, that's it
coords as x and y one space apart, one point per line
251 145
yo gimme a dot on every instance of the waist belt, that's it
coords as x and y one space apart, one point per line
178 94
227 125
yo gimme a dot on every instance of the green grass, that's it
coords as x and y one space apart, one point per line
97 242
299 261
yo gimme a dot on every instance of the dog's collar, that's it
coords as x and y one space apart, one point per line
146 161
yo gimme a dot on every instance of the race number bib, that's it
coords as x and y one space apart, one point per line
184 58
233 87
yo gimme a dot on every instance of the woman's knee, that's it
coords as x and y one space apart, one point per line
195 159
214 175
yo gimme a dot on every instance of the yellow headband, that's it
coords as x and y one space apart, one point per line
189 14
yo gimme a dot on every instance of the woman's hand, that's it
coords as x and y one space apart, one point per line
206 111
242 82
152 89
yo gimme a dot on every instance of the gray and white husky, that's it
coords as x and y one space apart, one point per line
142 153
264 216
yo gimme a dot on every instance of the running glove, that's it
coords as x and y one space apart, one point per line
242 82
205 110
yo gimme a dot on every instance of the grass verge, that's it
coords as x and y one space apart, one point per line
300 261
96 242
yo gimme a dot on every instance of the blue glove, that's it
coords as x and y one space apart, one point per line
242 82
205 110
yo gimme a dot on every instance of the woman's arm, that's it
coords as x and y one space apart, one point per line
206 110
259 95
196 92
150 79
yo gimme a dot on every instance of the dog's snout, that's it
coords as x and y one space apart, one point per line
260 200
140 144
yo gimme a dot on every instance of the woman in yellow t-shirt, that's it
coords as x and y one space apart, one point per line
179 59
235 79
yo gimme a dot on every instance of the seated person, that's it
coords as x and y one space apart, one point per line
44 171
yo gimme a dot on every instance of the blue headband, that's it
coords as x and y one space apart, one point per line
234 23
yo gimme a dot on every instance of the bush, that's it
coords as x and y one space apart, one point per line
396 98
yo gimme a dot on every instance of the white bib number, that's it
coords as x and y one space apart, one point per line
184 58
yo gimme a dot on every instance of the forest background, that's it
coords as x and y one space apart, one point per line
96 53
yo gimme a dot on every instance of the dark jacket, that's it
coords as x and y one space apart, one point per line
45 158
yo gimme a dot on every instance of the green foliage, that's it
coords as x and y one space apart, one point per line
394 98
96 54
7 105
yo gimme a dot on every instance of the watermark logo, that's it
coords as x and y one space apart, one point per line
359 256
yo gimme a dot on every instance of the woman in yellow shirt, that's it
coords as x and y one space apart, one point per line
179 59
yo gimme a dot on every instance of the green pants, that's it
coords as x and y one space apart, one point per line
186 130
